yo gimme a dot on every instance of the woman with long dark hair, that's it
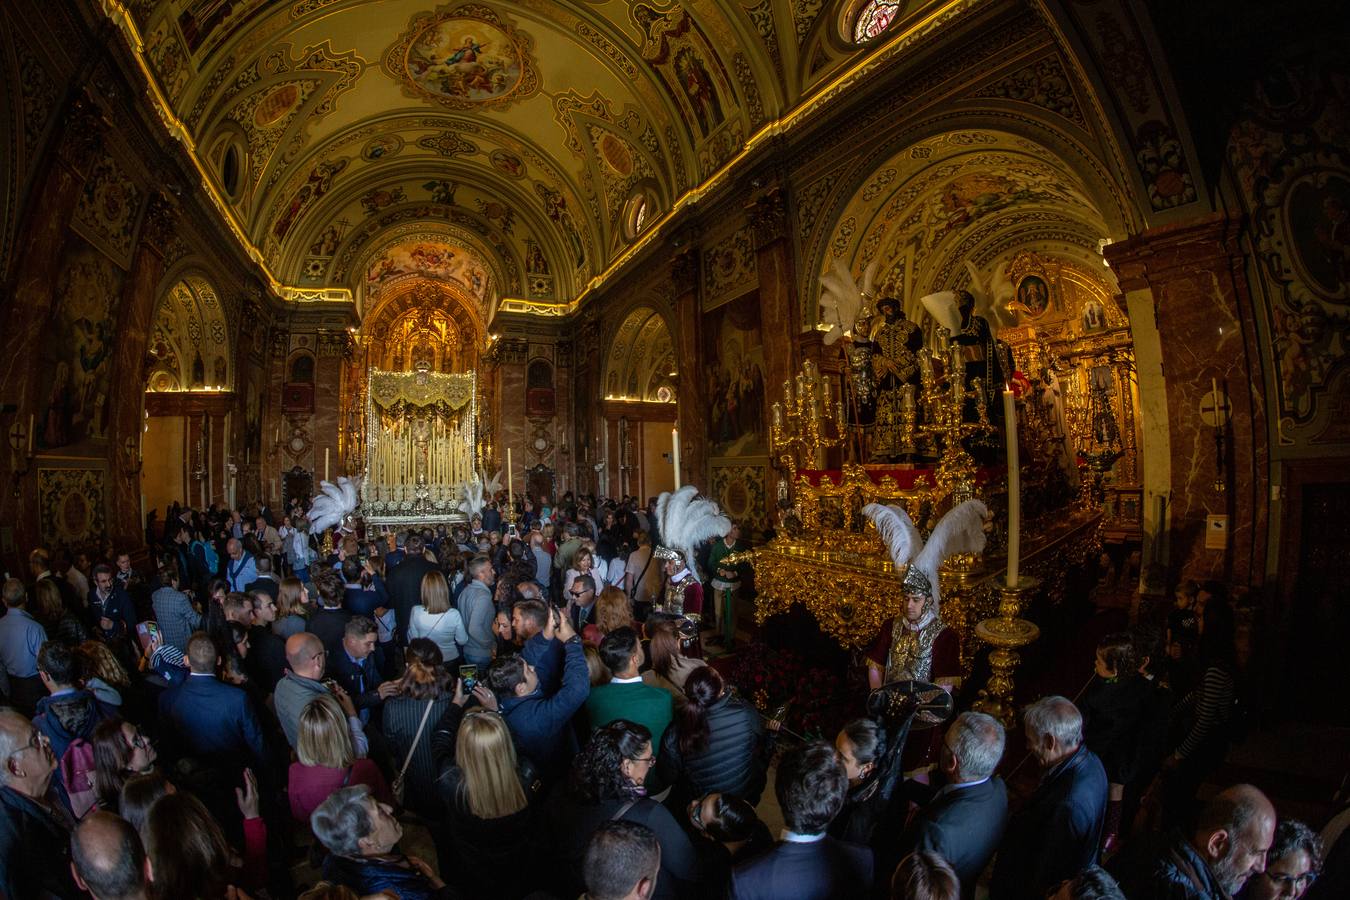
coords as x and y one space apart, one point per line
671 668
607 784
121 752
423 695
716 744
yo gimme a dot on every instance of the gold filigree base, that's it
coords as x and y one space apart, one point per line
1006 634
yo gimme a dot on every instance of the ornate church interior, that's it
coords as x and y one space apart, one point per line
845 267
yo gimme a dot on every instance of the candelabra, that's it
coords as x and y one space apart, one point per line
801 426
945 422
1006 633
1093 421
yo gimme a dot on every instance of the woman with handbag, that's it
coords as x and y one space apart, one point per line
409 716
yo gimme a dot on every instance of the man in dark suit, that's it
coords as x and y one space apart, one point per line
354 668
329 622
581 602
209 719
266 580
807 864
405 582
1057 833
963 820
266 660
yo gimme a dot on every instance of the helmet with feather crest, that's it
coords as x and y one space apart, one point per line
684 520
961 530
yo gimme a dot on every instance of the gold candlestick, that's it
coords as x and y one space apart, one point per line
1006 634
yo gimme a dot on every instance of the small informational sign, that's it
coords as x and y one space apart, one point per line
1216 533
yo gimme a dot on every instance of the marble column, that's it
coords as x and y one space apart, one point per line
127 420
1207 333
692 409
37 255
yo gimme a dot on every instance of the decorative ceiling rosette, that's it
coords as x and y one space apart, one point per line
463 57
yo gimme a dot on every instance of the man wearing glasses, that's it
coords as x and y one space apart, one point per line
34 830
581 602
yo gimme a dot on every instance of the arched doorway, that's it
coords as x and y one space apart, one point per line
639 409
188 394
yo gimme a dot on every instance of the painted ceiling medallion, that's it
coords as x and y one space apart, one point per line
463 57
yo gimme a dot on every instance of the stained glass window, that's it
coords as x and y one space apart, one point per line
874 18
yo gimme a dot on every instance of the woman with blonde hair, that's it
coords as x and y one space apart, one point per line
51 612
613 610
582 564
327 760
670 667
408 717
488 794
292 607
435 619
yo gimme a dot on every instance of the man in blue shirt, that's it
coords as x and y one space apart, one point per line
241 570
21 637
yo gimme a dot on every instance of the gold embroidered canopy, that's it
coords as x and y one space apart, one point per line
420 389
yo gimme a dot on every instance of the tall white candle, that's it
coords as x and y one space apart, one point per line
325 463
510 488
675 454
1014 488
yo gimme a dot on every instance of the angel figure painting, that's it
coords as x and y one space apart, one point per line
464 59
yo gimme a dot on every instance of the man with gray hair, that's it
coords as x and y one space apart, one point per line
360 834
34 827
1057 833
963 820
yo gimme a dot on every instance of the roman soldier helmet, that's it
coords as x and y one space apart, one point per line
961 530
685 520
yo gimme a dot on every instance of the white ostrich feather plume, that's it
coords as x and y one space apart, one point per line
842 298
961 530
686 520
334 503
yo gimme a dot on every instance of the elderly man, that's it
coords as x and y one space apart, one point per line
1227 846
962 822
34 828
21 637
108 859
1056 834
360 834
242 569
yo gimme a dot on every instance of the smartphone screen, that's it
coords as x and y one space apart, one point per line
469 674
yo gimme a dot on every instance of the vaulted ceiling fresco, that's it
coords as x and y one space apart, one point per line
516 137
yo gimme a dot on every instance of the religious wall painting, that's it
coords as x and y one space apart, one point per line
381 198
1297 195
327 242
315 186
70 506
507 163
740 491
442 191
689 66
108 210
275 105
77 356
1318 211
555 206
433 259
1033 296
382 147
735 380
498 213
463 58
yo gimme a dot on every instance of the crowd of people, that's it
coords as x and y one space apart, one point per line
260 702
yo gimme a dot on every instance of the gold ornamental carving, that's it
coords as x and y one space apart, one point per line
420 389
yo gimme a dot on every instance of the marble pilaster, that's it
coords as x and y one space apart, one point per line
693 399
